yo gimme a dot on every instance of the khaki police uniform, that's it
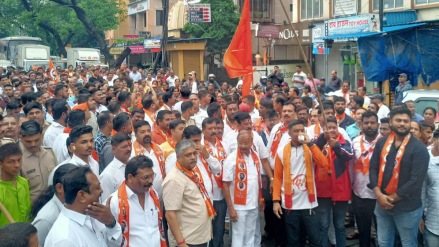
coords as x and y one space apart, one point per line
6 140
36 169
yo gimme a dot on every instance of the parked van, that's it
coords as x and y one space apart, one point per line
422 99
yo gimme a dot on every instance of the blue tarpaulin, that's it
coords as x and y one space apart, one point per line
414 51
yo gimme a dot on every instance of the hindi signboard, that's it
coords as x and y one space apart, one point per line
345 7
199 13
268 31
353 24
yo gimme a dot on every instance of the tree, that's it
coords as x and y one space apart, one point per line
224 20
97 16
81 23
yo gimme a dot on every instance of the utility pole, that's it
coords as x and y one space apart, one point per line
165 4
381 14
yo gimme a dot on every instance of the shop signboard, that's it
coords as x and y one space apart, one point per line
137 49
116 50
137 7
345 7
268 31
151 43
318 44
353 24
199 13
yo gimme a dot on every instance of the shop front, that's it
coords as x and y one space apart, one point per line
337 49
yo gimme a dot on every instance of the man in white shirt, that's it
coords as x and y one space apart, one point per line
137 207
242 190
75 118
315 130
384 110
110 77
99 98
84 221
207 164
114 174
362 92
204 98
82 146
143 145
294 190
279 136
60 110
199 114
363 198
215 148
298 79
250 101
134 75
229 123
49 212
344 92
171 78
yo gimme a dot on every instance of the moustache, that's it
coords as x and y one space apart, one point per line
147 139
148 185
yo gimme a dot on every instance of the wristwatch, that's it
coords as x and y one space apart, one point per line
112 225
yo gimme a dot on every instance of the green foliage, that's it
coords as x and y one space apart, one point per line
225 19
19 19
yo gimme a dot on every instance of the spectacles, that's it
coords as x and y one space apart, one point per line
148 177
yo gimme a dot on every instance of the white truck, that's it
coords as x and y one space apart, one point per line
30 55
77 56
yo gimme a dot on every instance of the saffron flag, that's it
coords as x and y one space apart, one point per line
52 70
238 58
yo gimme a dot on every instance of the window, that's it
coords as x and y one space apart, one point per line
420 2
133 21
144 19
159 17
390 4
311 9
259 9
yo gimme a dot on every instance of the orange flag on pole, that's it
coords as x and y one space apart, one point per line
238 58
52 70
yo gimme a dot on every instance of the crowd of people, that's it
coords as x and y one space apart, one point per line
125 157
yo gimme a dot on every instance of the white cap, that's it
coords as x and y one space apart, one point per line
211 75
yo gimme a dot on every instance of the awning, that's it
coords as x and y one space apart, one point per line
365 34
402 27
349 35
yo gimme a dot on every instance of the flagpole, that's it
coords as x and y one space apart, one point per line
319 98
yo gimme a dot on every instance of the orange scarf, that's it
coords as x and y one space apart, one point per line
67 130
151 115
340 117
260 125
287 175
124 215
171 142
223 113
196 177
113 132
221 156
317 131
277 138
139 150
240 190
160 133
125 109
353 114
362 163
393 184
